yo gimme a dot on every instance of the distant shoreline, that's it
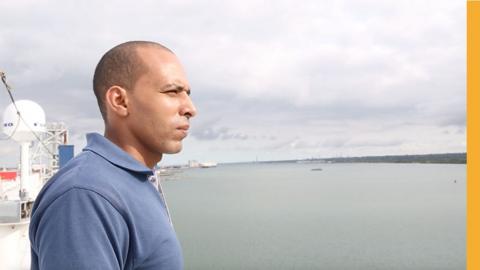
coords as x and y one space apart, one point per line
446 158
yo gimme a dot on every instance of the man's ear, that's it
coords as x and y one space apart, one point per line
116 101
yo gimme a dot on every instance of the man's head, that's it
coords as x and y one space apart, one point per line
143 95
121 66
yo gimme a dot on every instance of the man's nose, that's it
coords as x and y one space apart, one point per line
188 109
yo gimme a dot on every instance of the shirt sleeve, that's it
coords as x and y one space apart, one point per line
81 230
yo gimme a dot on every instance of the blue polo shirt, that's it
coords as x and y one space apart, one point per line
101 212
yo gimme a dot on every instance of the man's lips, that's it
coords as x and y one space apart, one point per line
183 130
184 127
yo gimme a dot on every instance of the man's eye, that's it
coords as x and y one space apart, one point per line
172 92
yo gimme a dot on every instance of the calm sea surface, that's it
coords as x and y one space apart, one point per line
346 216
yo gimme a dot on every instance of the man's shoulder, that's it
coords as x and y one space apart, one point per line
87 171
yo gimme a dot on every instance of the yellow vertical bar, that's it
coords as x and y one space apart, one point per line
473 134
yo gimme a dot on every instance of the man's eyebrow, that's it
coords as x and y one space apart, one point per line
173 86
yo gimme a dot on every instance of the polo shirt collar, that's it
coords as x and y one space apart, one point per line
111 152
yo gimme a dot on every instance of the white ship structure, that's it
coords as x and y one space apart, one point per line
196 164
43 149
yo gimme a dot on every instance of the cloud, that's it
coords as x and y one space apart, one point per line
335 142
223 133
375 143
277 76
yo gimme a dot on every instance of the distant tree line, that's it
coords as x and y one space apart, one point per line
447 158
450 158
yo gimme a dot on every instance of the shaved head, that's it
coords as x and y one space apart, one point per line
120 66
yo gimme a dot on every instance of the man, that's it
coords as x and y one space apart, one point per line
101 211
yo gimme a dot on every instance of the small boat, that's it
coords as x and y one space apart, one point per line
317 169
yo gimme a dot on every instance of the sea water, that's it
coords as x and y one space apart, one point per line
344 216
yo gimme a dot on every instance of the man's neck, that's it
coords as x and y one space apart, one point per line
136 151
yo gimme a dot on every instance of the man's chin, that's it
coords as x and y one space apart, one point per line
174 150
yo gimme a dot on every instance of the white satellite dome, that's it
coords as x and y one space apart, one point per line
33 120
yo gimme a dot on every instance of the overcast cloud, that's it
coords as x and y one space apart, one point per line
270 79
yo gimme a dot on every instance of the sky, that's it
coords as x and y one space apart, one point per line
271 80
